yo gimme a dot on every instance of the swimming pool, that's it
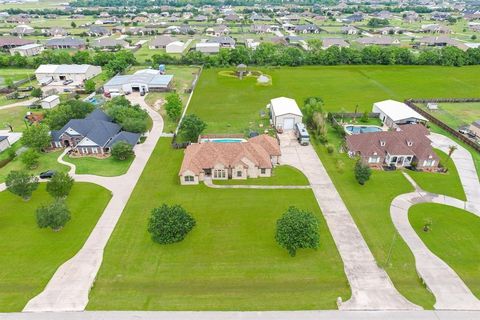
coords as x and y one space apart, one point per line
357 129
224 140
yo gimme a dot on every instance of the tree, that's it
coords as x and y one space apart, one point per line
90 86
9 83
311 106
364 117
191 127
21 183
451 150
54 215
36 136
297 229
170 224
60 185
30 158
73 24
36 93
72 109
362 172
122 150
173 106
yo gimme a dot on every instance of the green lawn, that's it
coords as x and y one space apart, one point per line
230 261
454 237
108 167
230 105
15 74
47 161
14 117
281 176
456 115
31 255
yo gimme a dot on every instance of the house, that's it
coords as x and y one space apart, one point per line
176 47
55 32
224 42
109 44
207 47
185 29
251 44
78 73
306 28
94 135
232 17
141 81
4 143
357 17
66 43
435 28
22 30
475 27
27 50
98 31
284 113
407 146
261 28
475 128
7 43
390 30
50 102
350 30
334 42
200 18
253 158
393 113
217 31
411 16
442 41
378 41
161 42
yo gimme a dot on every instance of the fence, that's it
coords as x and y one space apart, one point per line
441 124
446 100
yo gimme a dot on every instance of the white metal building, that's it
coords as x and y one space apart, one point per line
142 81
50 102
27 50
176 47
285 113
394 112
75 72
208 47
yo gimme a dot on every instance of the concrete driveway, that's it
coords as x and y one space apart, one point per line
371 287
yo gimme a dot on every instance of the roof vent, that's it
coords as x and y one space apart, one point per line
383 143
409 143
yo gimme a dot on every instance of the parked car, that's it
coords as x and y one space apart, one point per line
66 90
67 82
47 174
463 130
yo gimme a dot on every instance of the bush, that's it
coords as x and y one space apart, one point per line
36 136
173 106
330 149
122 150
364 117
53 216
60 185
297 229
30 158
131 118
90 86
36 93
170 224
362 172
191 127
21 184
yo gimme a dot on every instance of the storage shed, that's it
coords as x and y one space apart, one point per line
392 113
285 113
50 102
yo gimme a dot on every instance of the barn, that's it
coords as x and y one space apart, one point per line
285 113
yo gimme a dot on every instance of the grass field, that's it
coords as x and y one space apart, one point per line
14 117
108 167
456 115
31 255
15 74
281 176
454 237
230 261
232 105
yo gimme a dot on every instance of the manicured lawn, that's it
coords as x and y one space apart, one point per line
454 237
456 115
15 74
232 105
14 117
281 176
108 167
230 260
442 183
47 161
31 255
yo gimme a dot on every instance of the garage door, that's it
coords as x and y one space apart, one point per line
288 123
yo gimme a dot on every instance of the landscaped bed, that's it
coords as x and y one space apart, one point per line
454 236
230 260
30 255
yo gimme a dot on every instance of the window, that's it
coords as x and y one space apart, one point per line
239 173
263 171
428 163
189 178
373 159
219 174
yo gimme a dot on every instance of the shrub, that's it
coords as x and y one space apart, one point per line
170 224
90 86
60 185
330 149
297 229
53 216
36 136
362 172
30 158
364 117
21 183
36 93
191 127
122 150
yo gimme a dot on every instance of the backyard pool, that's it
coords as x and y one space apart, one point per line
223 140
357 129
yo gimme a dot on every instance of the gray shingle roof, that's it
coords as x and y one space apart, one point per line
129 137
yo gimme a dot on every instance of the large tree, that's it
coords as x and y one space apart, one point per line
60 185
173 106
191 127
54 215
72 109
21 183
297 229
170 224
122 150
30 158
36 136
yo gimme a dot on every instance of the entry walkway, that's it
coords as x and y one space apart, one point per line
371 287
70 285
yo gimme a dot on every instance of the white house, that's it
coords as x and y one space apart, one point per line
393 112
208 47
142 81
285 113
50 102
78 73
27 50
176 47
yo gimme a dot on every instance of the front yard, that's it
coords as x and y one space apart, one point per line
108 167
30 255
230 261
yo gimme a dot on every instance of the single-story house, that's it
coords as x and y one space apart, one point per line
66 43
393 113
207 47
334 42
76 72
55 32
161 42
50 102
378 41
96 134
109 44
27 50
350 30
4 143
98 31
442 41
285 113
404 147
306 28
176 47
224 42
253 158
435 28
142 81
13 42
22 30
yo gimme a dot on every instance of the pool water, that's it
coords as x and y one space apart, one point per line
362 129
224 140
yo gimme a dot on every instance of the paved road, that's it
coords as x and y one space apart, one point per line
69 287
371 287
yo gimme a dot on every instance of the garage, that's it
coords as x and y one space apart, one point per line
288 123
285 113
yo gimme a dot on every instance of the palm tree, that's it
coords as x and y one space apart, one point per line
451 150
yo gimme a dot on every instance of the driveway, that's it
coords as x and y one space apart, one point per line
371 287
70 285
24 103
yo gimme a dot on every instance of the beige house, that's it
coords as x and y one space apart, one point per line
229 160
